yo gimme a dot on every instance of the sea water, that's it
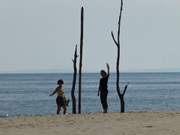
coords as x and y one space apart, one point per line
28 94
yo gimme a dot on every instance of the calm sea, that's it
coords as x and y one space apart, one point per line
28 94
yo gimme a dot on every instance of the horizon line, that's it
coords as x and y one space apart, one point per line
88 72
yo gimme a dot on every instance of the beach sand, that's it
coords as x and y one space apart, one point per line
94 124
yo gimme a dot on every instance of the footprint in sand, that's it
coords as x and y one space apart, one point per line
149 126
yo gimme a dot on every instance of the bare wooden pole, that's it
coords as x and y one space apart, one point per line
81 58
74 81
118 44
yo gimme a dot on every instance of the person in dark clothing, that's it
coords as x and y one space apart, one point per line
103 88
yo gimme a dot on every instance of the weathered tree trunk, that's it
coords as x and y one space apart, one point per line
74 82
81 57
122 103
117 42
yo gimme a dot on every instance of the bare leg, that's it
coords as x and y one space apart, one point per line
64 110
58 109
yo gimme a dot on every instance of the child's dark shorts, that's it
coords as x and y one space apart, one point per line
60 101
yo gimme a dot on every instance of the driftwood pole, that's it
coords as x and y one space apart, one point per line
117 42
74 81
81 56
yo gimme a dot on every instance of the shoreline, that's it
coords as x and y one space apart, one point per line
83 113
146 123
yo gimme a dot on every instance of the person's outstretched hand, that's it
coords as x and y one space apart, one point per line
107 65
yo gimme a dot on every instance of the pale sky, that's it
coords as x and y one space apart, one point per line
40 35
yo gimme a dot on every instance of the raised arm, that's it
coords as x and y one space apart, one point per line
108 69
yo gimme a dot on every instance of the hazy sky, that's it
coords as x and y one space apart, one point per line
40 35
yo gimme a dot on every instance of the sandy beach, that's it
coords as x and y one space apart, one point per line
94 124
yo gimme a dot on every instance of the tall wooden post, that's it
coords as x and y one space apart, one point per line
81 58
